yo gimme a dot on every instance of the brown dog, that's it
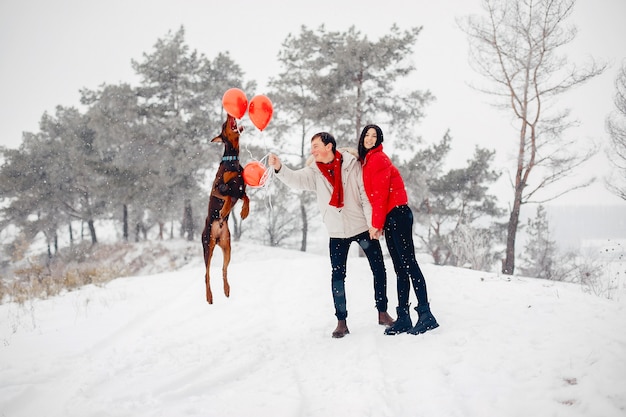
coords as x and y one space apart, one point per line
227 189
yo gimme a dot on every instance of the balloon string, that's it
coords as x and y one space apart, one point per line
267 176
266 180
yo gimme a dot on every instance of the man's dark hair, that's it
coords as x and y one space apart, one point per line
326 138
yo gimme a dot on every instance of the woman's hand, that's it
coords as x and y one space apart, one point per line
375 233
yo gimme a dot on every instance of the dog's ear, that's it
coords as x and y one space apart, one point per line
217 139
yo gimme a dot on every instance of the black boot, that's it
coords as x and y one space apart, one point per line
425 322
402 324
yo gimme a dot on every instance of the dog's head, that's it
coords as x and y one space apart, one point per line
230 133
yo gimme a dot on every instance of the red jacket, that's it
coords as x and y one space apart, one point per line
383 184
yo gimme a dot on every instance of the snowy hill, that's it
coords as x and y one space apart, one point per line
152 346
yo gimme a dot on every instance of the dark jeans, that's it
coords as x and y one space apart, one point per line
338 259
398 231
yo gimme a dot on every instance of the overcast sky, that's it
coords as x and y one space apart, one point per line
51 49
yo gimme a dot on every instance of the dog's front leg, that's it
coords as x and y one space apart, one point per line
228 205
245 209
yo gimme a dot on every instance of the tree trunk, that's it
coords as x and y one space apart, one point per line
188 220
521 177
125 222
92 231
236 227
305 225
509 262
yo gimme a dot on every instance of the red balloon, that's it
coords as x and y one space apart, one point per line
254 174
235 102
260 111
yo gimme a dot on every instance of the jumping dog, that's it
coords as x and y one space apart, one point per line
228 187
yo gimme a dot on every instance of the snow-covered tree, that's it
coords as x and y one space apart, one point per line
540 252
180 95
343 81
453 202
616 126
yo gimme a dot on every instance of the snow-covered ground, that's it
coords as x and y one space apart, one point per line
152 346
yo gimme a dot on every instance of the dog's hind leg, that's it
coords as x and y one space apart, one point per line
208 245
226 249
223 241
220 236
207 277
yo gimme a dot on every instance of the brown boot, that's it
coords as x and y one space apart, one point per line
385 319
341 330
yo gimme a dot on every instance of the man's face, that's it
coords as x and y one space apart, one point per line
322 153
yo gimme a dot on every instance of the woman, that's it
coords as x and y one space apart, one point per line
392 216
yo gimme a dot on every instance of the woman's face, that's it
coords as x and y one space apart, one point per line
370 138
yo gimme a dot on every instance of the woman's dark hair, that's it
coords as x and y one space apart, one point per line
379 140
326 138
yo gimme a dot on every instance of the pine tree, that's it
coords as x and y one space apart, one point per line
343 81
180 96
540 251
455 205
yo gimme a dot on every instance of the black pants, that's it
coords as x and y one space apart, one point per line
399 237
338 259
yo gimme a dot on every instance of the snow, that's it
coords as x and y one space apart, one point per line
152 346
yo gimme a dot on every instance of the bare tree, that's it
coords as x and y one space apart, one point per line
616 126
515 48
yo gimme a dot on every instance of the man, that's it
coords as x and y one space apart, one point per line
336 178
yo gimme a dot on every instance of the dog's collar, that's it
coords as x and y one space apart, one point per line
229 158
